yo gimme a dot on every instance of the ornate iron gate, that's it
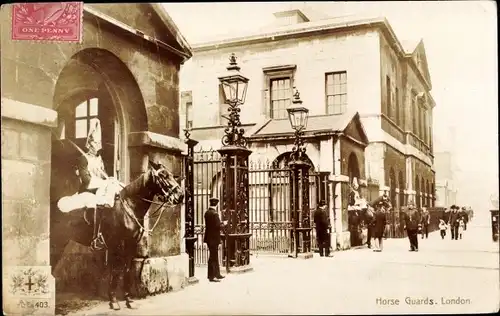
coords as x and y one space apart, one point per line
269 202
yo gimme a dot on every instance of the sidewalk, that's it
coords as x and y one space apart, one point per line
350 282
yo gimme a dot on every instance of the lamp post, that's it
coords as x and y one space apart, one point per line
299 197
234 154
190 238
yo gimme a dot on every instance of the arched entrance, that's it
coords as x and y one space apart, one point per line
94 83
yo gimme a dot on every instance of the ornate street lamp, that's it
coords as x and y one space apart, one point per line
234 86
298 115
299 199
234 156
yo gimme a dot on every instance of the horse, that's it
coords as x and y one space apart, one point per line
120 226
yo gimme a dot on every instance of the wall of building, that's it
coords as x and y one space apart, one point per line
357 53
413 82
391 99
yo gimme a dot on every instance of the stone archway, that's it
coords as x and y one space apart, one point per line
93 83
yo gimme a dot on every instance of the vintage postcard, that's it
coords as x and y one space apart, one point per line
249 158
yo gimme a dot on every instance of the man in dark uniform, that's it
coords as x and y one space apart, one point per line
213 239
454 221
426 220
411 219
322 225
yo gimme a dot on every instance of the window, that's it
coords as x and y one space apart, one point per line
414 112
189 114
223 107
388 96
336 92
186 111
398 118
425 127
421 121
277 90
281 97
83 114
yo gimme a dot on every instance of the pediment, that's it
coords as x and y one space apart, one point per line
148 18
356 130
420 58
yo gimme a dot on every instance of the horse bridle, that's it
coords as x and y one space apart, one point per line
167 203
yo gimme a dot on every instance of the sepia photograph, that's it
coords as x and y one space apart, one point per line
250 158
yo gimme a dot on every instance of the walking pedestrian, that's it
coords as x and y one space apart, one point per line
322 225
426 220
412 219
465 217
461 227
379 222
453 222
442 228
212 239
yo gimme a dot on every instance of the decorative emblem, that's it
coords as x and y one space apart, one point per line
29 282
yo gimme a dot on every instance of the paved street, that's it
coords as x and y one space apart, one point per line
355 281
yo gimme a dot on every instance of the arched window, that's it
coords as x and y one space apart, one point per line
392 184
422 189
417 190
433 190
84 112
428 189
401 189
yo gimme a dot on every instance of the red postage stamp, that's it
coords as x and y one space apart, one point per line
56 21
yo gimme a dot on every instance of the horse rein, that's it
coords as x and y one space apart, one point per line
160 207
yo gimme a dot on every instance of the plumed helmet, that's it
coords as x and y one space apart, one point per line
355 183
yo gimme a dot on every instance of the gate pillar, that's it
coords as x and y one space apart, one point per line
189 237
236 250
234 154
299 202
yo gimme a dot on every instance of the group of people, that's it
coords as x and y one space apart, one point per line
456 220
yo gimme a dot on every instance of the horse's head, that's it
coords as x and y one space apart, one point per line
167 188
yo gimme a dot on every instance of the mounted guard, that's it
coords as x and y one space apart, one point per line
97 190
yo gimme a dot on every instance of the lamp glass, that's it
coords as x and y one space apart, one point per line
298 117
235 88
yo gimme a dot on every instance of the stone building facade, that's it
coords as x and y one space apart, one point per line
126 72
341 66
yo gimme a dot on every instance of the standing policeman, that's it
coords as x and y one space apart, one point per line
412 218
213 239
322 225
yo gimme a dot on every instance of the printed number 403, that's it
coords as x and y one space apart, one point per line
31 304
